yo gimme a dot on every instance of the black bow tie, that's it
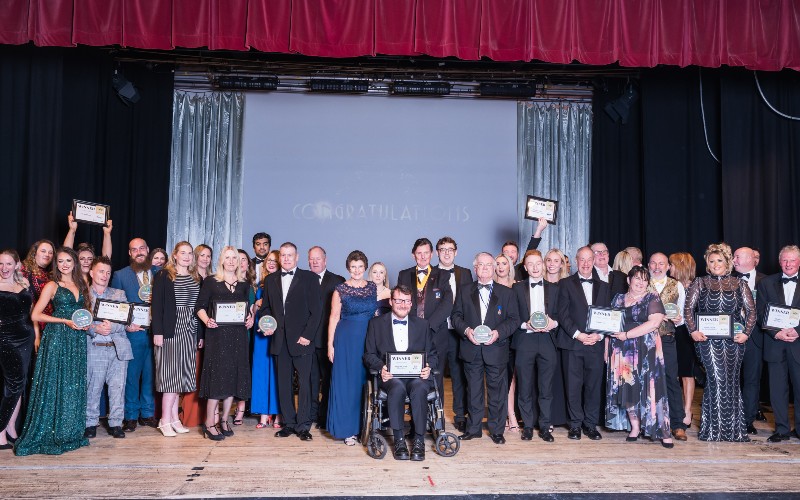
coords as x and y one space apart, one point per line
786 280
258 260
537 283
399 321
422 271
284 273
488 287
584 280
745 276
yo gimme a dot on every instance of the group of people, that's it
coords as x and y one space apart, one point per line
517 331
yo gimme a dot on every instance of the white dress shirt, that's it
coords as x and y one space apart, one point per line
751 279
603 276
483 298
452 287
789 289
286 282
400 333
587 292
659 286
322 275
537 300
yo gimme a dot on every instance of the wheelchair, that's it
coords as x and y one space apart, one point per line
375 420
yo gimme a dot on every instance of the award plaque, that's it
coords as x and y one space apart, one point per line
538 320
482 334
778 317
111 310
90 213
737 329
672 310
82 318
145 292
405 364
536 208
267 323
715 326
141 315
605 320
229 312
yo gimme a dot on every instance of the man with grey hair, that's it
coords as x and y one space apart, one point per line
636 255
617 281
492 307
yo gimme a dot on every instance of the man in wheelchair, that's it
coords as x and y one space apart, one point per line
399 332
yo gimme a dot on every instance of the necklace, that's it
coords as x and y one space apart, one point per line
635 298
231 286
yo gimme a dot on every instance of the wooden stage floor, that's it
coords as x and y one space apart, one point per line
254 463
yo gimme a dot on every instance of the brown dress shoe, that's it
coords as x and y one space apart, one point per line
679 434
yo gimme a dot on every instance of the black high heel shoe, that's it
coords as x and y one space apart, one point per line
226 430
209 435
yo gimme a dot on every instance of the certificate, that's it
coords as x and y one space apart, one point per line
405 364
141 315
111 310
778 317
536 208
605 320
715 326
90 213
229 312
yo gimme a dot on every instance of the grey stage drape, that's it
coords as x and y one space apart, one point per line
205 195
554 150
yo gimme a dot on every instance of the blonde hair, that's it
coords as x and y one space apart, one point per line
508 280
220 274
171 266
788 248
19 279
385 272
564 273
623 261
722 249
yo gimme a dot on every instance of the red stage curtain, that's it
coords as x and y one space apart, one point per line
757 34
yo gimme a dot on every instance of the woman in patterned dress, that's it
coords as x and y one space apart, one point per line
174 325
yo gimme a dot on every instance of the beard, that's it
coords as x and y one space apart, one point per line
139 267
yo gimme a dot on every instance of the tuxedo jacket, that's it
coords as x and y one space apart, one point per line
617 282
757 335
573 310
299 317
463 276
438 299
380 340
522 339
501 315
519 270
327 287
770 290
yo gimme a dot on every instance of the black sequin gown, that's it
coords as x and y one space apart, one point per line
722 411
16 345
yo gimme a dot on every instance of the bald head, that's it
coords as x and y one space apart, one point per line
744 259
658 265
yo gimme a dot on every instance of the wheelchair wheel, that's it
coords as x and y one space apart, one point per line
377 445
366 412
447 444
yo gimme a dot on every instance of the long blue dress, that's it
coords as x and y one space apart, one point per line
348 373
57 411
264 400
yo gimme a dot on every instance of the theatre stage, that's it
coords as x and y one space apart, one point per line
254 463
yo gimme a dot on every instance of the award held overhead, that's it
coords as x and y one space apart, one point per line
537 208
90 213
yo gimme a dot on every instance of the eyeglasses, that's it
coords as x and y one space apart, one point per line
447 250
272 261
601 252
401 301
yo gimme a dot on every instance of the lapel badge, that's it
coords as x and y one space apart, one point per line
438 294
499 310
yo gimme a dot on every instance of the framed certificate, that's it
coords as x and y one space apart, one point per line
229 312
405 364
714 325
90 213
778 317
141 315
537 208
605 320
111 310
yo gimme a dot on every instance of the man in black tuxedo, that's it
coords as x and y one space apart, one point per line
617 280
321 365
447 249
433 298
535 359
744 263
484 303
261 245
511 250
584 351
292 297
781 348
402 332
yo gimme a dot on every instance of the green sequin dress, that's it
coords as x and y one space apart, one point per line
57 409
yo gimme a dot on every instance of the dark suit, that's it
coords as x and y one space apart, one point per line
489 360
452 358
519 270
783 358
379 341
437 306
585 366
321 365
299 317
752 365
536 356
139 379
617 281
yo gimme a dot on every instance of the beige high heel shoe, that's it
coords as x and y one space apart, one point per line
166 429
179 427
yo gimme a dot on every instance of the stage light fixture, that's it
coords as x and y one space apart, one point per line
620 108
124 88
339 86
508 89
421 88
247 83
